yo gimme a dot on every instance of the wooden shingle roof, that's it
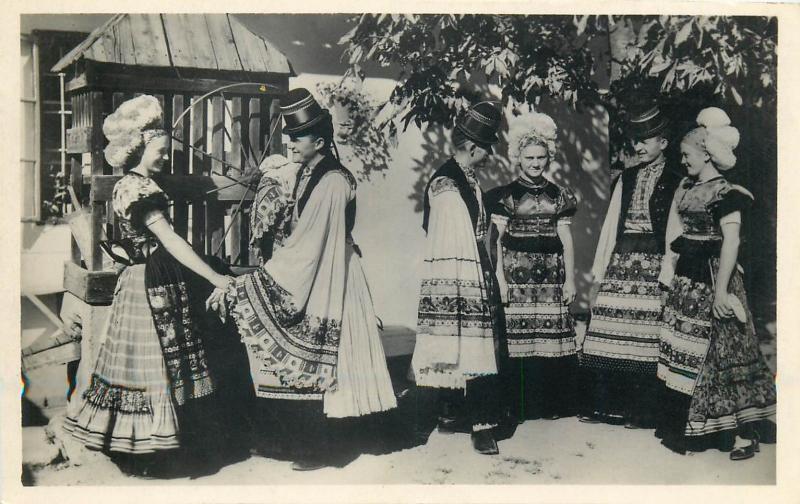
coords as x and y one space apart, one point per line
197 41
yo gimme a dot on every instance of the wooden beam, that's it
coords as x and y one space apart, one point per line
79 140
178 187
75 182
180 160
95 287
140 79
95 259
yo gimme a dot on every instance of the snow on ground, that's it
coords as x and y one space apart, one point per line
563 451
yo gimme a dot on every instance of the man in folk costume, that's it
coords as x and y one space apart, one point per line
306 315
455 360
620 352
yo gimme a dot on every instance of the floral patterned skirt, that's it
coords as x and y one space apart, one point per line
625 327
716 365
538 323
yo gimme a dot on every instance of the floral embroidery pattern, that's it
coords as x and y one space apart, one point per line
184 354
103 395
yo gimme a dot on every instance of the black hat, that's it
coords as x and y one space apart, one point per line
646 121
480 124
301 111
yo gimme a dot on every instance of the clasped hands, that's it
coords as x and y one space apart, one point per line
216 301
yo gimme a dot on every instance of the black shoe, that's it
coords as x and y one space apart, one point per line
633 425
484 443
308 465
590 419
446 425
746 452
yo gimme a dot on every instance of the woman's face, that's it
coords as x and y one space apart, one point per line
156 153
693 158
534 160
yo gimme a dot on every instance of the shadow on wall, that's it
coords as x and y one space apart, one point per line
581 164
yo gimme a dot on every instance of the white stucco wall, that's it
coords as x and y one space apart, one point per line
389 217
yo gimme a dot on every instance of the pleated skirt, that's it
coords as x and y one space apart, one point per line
127 406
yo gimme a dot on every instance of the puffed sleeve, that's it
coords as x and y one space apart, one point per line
567 206
499 205
139 200
731 200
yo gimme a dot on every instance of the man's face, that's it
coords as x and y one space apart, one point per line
649 149
304 148
478 155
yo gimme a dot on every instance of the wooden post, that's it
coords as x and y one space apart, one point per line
199 115
215 212
276 141
95 259
180 160
236 158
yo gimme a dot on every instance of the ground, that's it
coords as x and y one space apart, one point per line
562 451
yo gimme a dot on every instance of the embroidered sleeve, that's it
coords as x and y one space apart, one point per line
136 198
442 184
499 205
731 199
567 205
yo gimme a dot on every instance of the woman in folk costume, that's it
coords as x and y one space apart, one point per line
717 385
152 366
620 352
306 316
536 274
457 344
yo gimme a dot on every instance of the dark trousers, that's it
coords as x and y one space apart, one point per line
480 405
543 387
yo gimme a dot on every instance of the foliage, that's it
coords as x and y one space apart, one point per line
690 62
439 55
369 145
731 58
53 204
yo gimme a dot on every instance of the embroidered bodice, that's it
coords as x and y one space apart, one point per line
533 210
702 204
133 198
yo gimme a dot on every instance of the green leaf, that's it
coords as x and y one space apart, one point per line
580 23
684 33
347 37
736 95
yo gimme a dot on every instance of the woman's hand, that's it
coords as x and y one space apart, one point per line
216 302
722 306
222 281
594 291
568 293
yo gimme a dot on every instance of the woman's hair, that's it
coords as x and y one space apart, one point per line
532 128
715 136
129 128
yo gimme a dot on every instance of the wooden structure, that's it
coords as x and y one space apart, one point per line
218 82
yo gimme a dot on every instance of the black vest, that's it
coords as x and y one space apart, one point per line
659 204
453 171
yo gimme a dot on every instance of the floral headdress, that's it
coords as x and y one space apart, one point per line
531 127
129 128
